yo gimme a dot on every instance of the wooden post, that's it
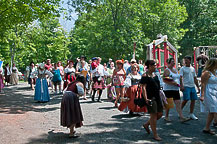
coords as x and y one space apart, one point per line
159 58
154 57
195 62
165 53
174 56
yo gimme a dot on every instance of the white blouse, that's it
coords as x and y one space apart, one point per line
69 70
34 74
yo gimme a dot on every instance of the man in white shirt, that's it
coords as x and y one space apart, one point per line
188 81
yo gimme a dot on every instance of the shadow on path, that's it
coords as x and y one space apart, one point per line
20 99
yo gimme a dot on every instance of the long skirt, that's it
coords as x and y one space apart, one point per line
41 91
98 84
131 91
14 79
7 78
1 83
70 110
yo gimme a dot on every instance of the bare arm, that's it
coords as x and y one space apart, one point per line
166 74
197 84
144 92
181 84
204 79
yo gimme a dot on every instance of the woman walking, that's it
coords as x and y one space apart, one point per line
131 83
151 92
209 92
118 78
41 87
71 114
109 81
84 71
69 74
7 74
171 88
14 76
29 70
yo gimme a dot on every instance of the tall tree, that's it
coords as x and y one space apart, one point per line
201 24
111 27
23 12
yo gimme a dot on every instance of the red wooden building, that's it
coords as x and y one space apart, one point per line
160 50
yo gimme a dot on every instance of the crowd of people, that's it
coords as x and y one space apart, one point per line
135 88
8 75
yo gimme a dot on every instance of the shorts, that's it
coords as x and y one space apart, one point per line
156 106
57 83
119 86
189 93
172 94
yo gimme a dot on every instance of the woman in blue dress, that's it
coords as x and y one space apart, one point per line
41 88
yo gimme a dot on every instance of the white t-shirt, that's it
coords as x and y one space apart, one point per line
99 71
188 74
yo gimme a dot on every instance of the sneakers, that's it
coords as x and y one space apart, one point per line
192 116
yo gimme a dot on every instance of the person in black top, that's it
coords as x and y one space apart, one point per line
151 92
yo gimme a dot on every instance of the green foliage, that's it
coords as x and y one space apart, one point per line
23 12
40 41
110 28
201 25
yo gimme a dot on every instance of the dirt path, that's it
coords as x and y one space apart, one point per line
24 121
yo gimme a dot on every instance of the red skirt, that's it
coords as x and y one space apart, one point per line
131 91
98 84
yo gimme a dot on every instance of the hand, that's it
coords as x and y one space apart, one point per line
201 98
147 100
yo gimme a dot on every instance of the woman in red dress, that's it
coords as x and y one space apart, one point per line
131 83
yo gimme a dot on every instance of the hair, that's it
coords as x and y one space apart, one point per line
80 78
169 60
210 64
7 64
31 63
70 61
149 62
188 57
55 64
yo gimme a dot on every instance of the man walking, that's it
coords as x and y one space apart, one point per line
188 82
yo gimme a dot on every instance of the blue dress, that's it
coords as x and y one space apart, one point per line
41 88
